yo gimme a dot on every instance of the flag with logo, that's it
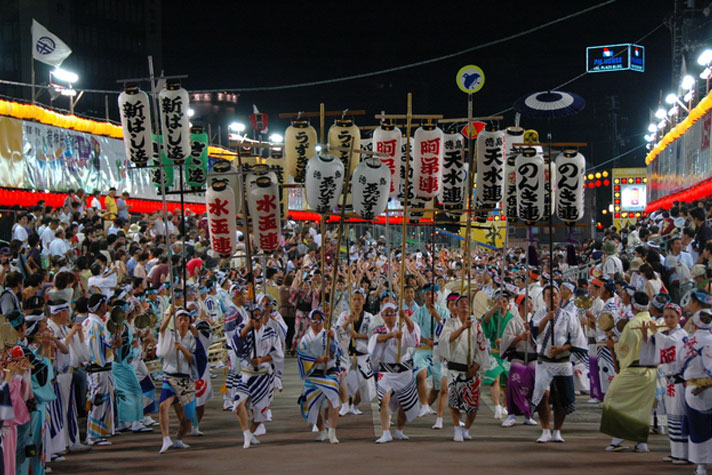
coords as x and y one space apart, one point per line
47 47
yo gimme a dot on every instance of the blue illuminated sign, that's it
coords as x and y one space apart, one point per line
619 57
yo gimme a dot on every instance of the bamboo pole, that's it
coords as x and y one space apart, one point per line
401 284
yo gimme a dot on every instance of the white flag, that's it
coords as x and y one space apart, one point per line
47 47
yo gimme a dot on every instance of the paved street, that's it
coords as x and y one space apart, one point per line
289 447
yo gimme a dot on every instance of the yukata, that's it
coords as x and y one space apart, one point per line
276 322
128 392
203 385
663 349
393 375
42 375
20 390
595 390
522 357
579 361
256 385
177 371
423 355
100 420
321 381
630 396
493 330
469 347
606 366
355 362
148 388
234 316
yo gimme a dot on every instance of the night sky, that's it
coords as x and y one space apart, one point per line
256 44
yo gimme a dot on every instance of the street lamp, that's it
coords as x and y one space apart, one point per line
191 112
672 99
660 113
652 128
237 127
688 82
64 75
276 138
68 77
705 58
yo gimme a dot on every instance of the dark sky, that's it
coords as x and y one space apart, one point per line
254 44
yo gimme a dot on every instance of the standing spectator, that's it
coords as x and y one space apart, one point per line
19 230
122 206
10 297
95 201
110 204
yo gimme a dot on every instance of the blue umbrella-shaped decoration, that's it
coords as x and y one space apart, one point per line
549 104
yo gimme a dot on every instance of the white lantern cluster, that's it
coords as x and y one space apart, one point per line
490 154
513 135
135 112
299 146
220 205
387 140
264 207
223 169
530 174
570 168
344 134
370 188
453 193
324 182
427 161
174 104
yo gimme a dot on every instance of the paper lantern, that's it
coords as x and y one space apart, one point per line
174 103
342 134
135 112
220 206
387 140
256 172
371 187
512 136
222 171
367 144
406 159
324 182
454 176
550 187
570 167
427 161
490 167
263 204
299 146
530 170
196 169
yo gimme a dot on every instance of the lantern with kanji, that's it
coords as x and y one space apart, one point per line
196 169
174 104
570 168
370 188
513 135
405 158
490 167
257 171
299 146
220 205
324 182
135 112
162 168
427 161
342 135
531 191
263 204
222 171
387 140
550 187
454 179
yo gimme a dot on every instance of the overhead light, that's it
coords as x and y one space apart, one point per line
649 138
652 128
237 127
191 112
66 91
318 148
660 113
673 110
705 58
706 73
64 75
688 82
671 98
661 125
276 138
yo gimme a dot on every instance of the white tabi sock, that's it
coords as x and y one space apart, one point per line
458 434
167 444
248 438
399 435
332 436
386 437
556 436
179 444
616 441
466 434
438 423
323 435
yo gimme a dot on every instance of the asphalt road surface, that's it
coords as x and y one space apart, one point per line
289 447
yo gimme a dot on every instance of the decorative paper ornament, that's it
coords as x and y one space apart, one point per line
387 140
571 168
453 192
135 112
263 203
324 182
220 205
512 135
530 170
370 188
490 167
427 161
174 104
342 134
299 146
196 169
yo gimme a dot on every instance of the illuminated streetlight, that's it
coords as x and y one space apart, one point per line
237 127
318 148
705 58
671 98
64 75
276 138
660 113
688 82
191 112
652 128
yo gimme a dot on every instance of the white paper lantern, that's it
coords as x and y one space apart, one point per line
174 104
263 204
388 140
342 134
490 167
223 169
299 146
409 159
135 112
220 206
370 188
427 162
454 176
551 190
570 168
531 191
513 135
324 182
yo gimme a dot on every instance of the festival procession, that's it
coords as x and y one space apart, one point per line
410 285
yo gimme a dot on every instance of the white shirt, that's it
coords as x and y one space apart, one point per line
19 232
46 236
95 203
104 283
387 351
58 247
174 361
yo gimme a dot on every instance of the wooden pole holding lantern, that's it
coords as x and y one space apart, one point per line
408 116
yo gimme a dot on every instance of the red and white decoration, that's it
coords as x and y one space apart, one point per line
324 182
135 112
263 205
571 168
174 104
427 162
388 141
370 188
220 205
